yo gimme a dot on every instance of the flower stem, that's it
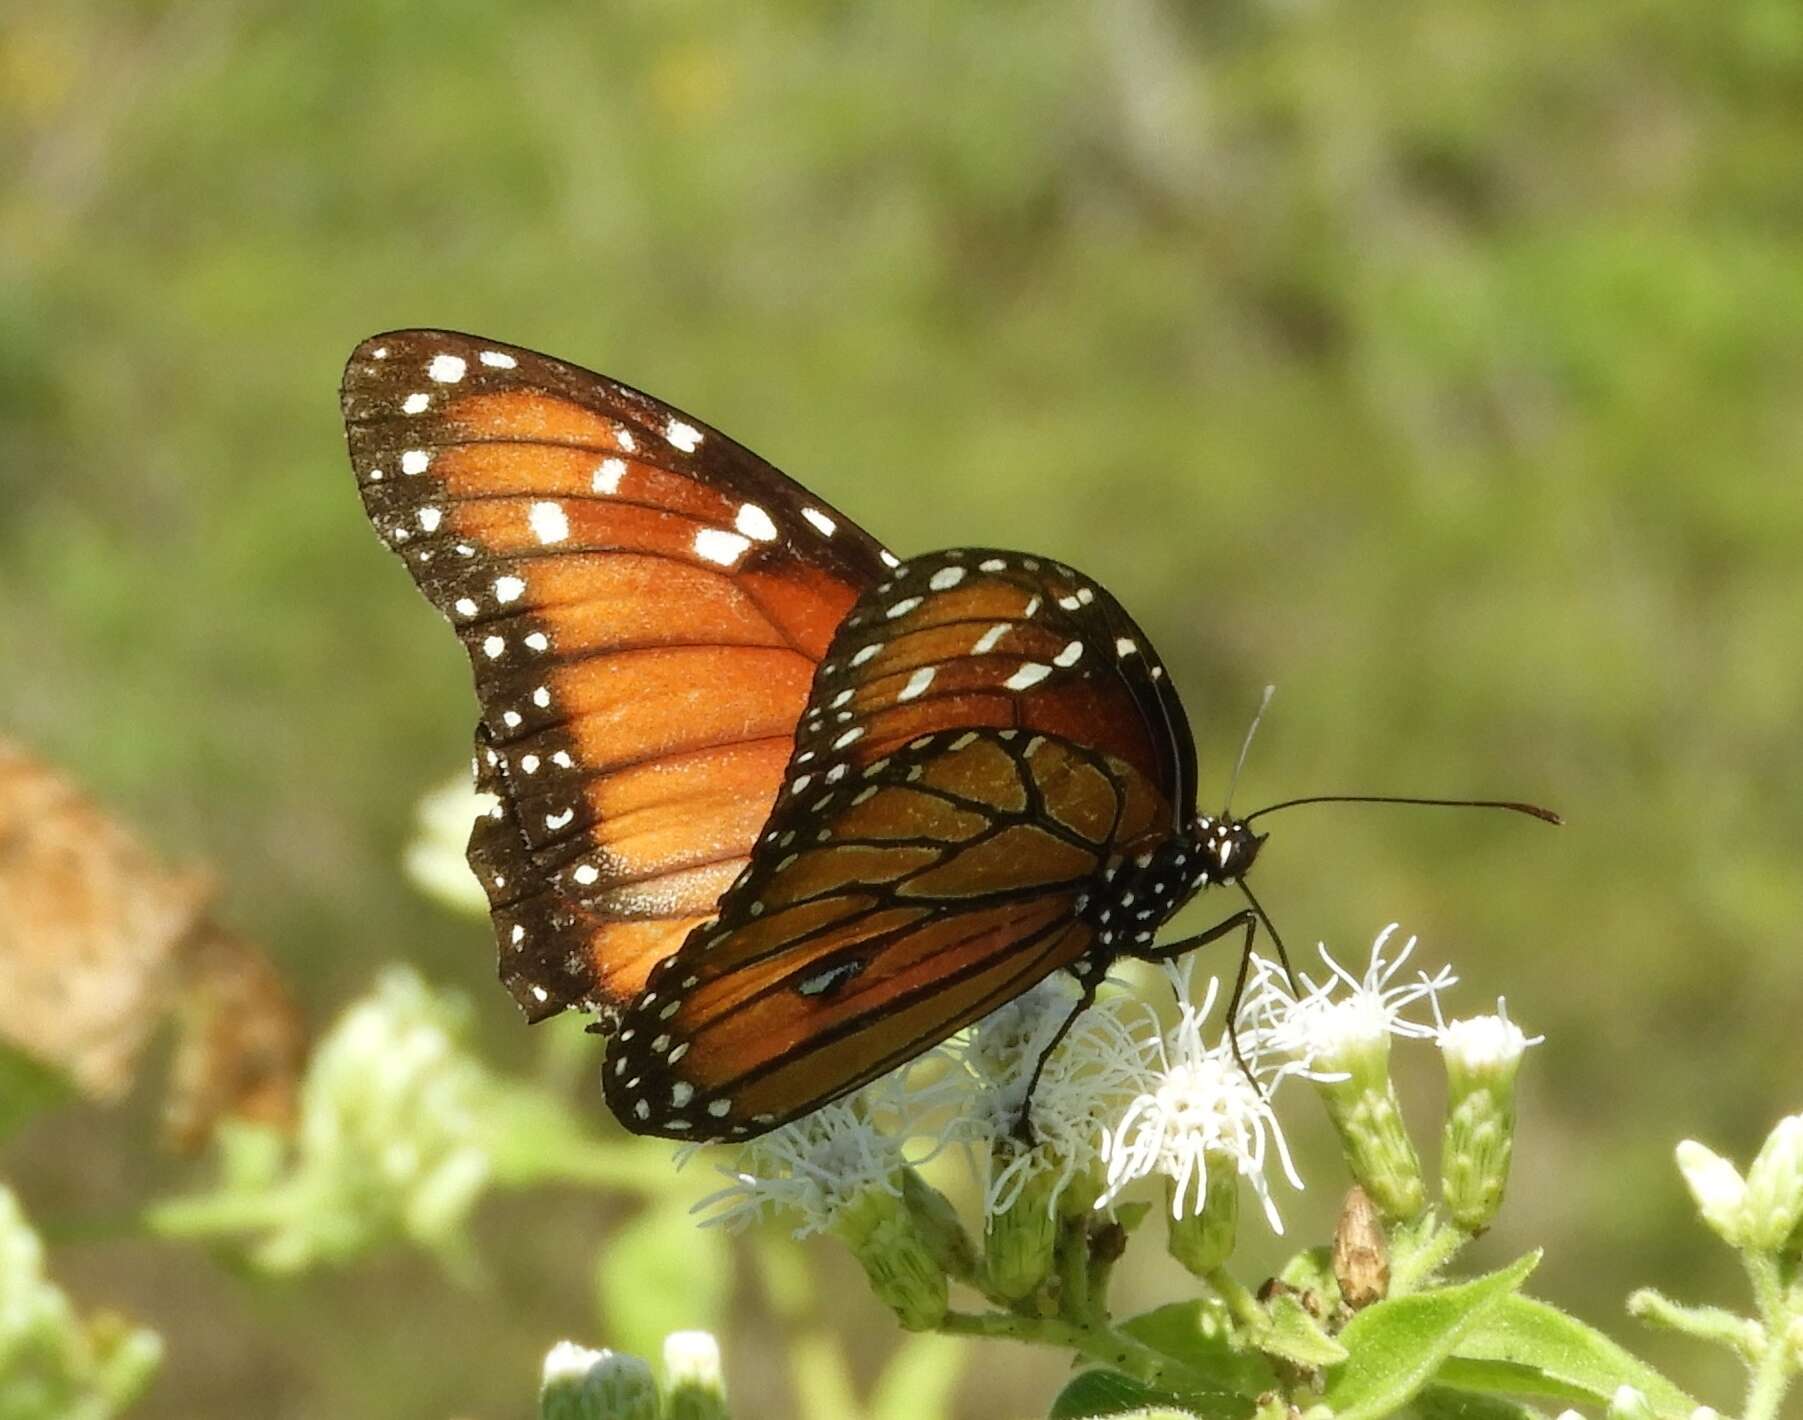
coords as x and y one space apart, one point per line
1240 1301
1713 1324
1772 1372
1414 1263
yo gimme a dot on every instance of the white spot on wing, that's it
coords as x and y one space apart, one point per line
586 873
508 589
683 436
718 545
946 578
987 641
549 522
1029 674
463 606
430 518
446 369
493 647
1070 655
416 403
497 360
557 821
754 522
1125 646
608 476
902 607
415 461
820 520
917 683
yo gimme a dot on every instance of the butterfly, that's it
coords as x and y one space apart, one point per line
782 810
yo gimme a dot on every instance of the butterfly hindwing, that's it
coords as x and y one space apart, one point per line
988 740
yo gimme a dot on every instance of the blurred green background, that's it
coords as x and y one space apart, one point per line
1440 363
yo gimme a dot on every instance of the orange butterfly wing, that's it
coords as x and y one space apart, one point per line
644 603
989 739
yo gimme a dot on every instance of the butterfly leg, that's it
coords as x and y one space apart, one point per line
1244 920
1023 1123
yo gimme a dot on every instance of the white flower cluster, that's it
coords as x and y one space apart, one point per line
1126 1094
1198 1108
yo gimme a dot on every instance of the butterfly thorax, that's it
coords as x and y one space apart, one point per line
1138 894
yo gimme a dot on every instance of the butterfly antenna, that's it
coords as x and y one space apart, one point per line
1245 748
1531 810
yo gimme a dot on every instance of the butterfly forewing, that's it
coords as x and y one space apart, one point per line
988 738
644 602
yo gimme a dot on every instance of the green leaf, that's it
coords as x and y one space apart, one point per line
1101 1393
1199 1335
1437 1402
1395 1346
1564 1357
658 1274
1311 1270
1507 1378
1296 1336
1106 1393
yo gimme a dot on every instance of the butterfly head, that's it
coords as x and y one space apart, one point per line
1228 847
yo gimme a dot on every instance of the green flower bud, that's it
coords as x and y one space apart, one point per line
897 1259
1482 1056
1202 1239
692 1376
1368 1118
1718 1189
581 1384
1773 1207
940 1226
1019 1242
